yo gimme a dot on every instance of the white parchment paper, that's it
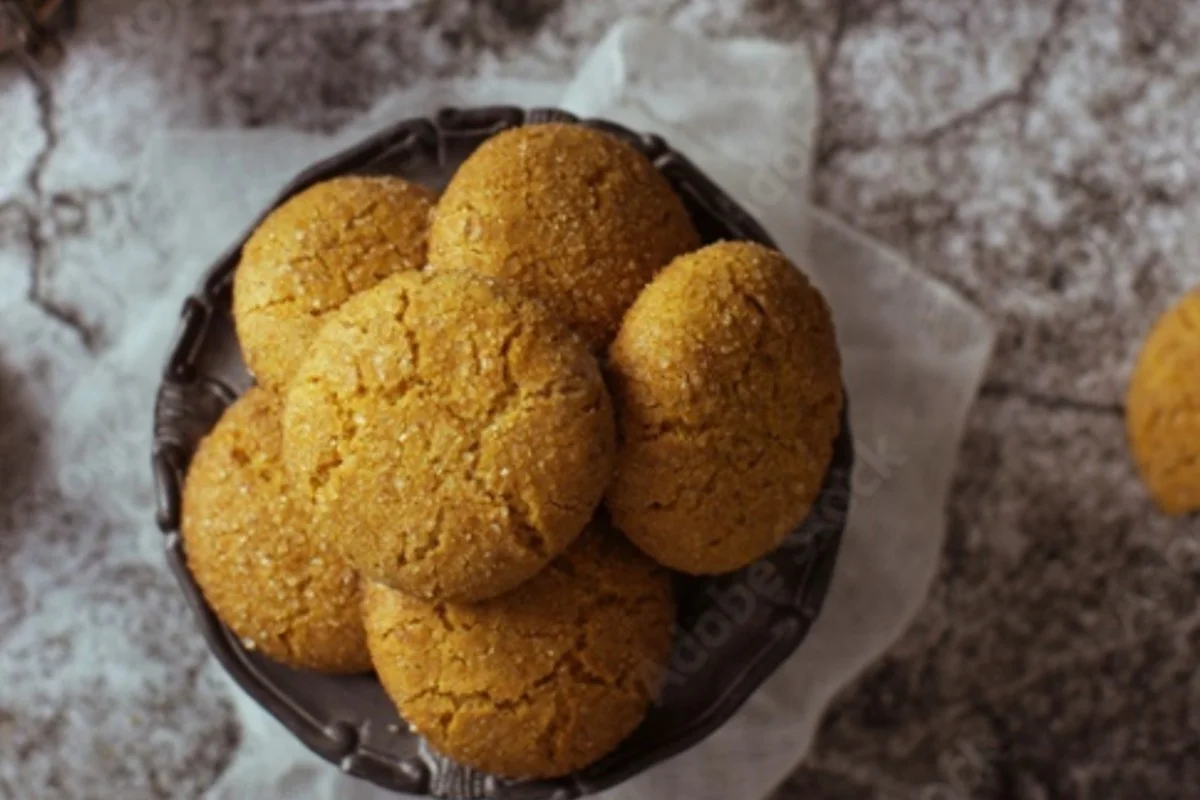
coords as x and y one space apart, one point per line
745 112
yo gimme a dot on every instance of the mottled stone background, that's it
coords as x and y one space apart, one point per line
1040 157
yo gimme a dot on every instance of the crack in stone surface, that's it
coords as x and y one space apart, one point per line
1063 664
850 16
1049 401
65 315
39 244
1020 94
841 27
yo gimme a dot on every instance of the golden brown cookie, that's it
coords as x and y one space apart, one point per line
313 253
450 434
576 217
727 383
1163 408
541 681
253 554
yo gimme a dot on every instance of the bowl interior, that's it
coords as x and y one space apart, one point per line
732 631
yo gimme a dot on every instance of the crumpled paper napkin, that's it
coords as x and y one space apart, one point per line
745 111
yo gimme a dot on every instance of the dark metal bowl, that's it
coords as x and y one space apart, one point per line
733 631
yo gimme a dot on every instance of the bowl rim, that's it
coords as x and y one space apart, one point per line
189 403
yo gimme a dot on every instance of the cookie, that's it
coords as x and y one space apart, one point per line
312 254
452 436
541 681
727 384
253 553
576 217
1163 408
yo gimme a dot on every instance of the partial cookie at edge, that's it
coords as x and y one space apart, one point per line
1163 408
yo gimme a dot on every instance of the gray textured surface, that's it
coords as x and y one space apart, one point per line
1038 156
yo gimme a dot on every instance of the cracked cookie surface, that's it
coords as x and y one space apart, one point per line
313 253
1163 408
727 385
253 553
541 681
576 217
449 434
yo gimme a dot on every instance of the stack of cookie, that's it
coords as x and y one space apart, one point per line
466 409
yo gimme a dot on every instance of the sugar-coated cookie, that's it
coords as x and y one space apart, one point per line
728 389
449 434
541 681
313 253
253 553
574 216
